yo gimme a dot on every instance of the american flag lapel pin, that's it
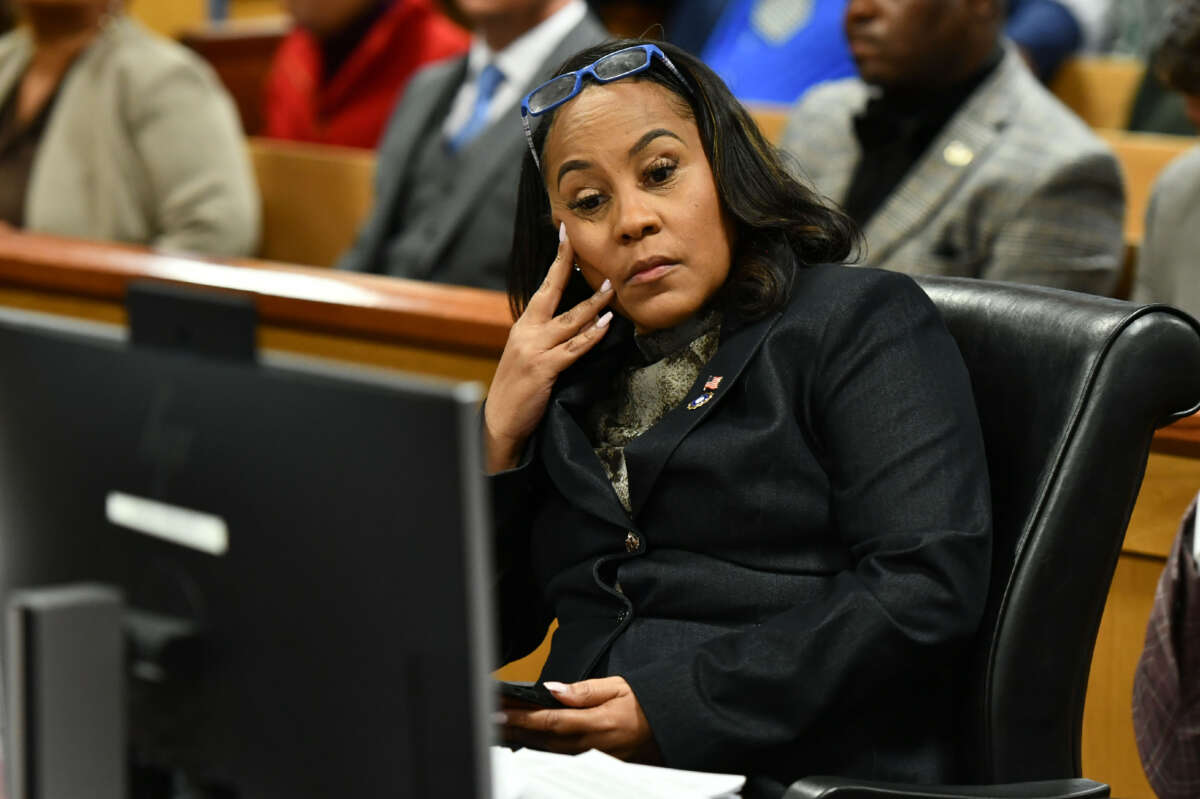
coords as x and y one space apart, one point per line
699 402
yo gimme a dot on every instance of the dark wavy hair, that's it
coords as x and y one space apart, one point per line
1176 55
779 224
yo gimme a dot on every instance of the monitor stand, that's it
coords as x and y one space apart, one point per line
66 682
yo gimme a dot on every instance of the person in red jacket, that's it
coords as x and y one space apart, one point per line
337 75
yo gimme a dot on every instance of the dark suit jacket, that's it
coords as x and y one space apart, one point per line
470 243
813 542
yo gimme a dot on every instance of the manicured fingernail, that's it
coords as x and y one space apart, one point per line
562 232
499 717
605 286
557 688
601 322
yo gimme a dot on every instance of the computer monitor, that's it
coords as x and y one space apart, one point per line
301 548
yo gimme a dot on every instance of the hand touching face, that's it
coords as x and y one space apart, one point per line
626 172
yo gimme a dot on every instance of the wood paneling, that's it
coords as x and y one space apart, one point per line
171 17
1170 484
1181 438
528 667
1109 749
168 17
1171 481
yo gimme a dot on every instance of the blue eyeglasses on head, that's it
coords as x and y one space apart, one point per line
614 66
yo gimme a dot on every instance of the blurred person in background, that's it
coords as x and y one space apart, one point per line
954 159
773 51
1168 270
446 180
110 132
1157 108
338 74
1048 32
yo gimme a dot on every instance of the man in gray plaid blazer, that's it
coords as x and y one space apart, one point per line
954 159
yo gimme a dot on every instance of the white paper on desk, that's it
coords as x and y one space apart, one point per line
595 775
508 779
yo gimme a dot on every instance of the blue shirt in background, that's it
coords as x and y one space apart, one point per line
759 69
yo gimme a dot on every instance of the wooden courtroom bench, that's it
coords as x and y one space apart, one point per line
459 332
1142 157
1100 89
314 198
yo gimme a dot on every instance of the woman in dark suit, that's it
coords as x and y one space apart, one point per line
755 498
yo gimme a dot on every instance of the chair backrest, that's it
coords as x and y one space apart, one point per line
1069 388
314 198
1100 89
1142 157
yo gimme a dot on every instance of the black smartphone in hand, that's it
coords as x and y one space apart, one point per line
532 694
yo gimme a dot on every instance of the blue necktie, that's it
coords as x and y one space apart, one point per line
489 79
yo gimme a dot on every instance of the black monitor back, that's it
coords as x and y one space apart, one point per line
341 636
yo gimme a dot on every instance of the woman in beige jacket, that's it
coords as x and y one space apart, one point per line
110 132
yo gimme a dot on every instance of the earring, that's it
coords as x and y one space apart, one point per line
577 269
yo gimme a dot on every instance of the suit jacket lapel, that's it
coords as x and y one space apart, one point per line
503 141
566 450
646 455
422 103
830 146
482 159
962 146
567 453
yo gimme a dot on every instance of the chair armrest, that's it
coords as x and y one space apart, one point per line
844 788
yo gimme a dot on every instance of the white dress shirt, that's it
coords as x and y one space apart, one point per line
519 62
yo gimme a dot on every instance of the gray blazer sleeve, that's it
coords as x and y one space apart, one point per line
1143 285
1069 232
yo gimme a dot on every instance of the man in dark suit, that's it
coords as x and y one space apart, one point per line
446 183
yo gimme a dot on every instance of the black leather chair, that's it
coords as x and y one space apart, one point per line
1070 389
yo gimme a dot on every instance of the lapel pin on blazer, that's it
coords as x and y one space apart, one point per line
709 387
958 154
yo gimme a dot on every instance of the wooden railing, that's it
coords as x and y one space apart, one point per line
447 331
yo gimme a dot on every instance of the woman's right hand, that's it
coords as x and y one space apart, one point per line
540 346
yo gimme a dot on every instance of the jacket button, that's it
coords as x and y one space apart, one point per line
632 542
